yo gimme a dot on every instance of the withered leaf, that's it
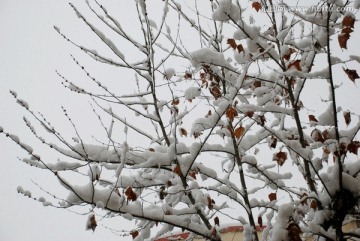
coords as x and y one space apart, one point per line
232 43
215 91
295 64
188 75
261 120
240 48
231 112
347 117
91 222
193 174
280 157
217 221
134 234
313 118
273 141
249 113
238 132
177 170
352 74
348 22
175 101
256 6
353 147
130 194
314 204
162 193
303 199
256 84
208 114
343 37
183 132
287 56
272 196
294 232
211 203
316 136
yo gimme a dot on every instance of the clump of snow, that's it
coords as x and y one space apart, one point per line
169 73
94 172
327 117
192 92
226 11
208 56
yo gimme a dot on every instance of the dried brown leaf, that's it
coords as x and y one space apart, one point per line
217 221
256 6
238 132
347 117
232 43
280 157
183 132
272 196
313 118
231 112
352 74
348 22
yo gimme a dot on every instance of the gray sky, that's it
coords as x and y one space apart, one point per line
30 52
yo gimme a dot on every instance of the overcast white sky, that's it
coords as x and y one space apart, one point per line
30 52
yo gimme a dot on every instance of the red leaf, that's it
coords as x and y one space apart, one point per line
314 204
177 170
231 112
312 118
193 174
188 75
257 83
316 136
130 194
217 221
211 203
348 22
239 132
352 74
353 147
175 101
296 64
344 37
240 48
232 43
257 6
215 91
294 232
134 234
280 157
249 113
287 56
272 196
